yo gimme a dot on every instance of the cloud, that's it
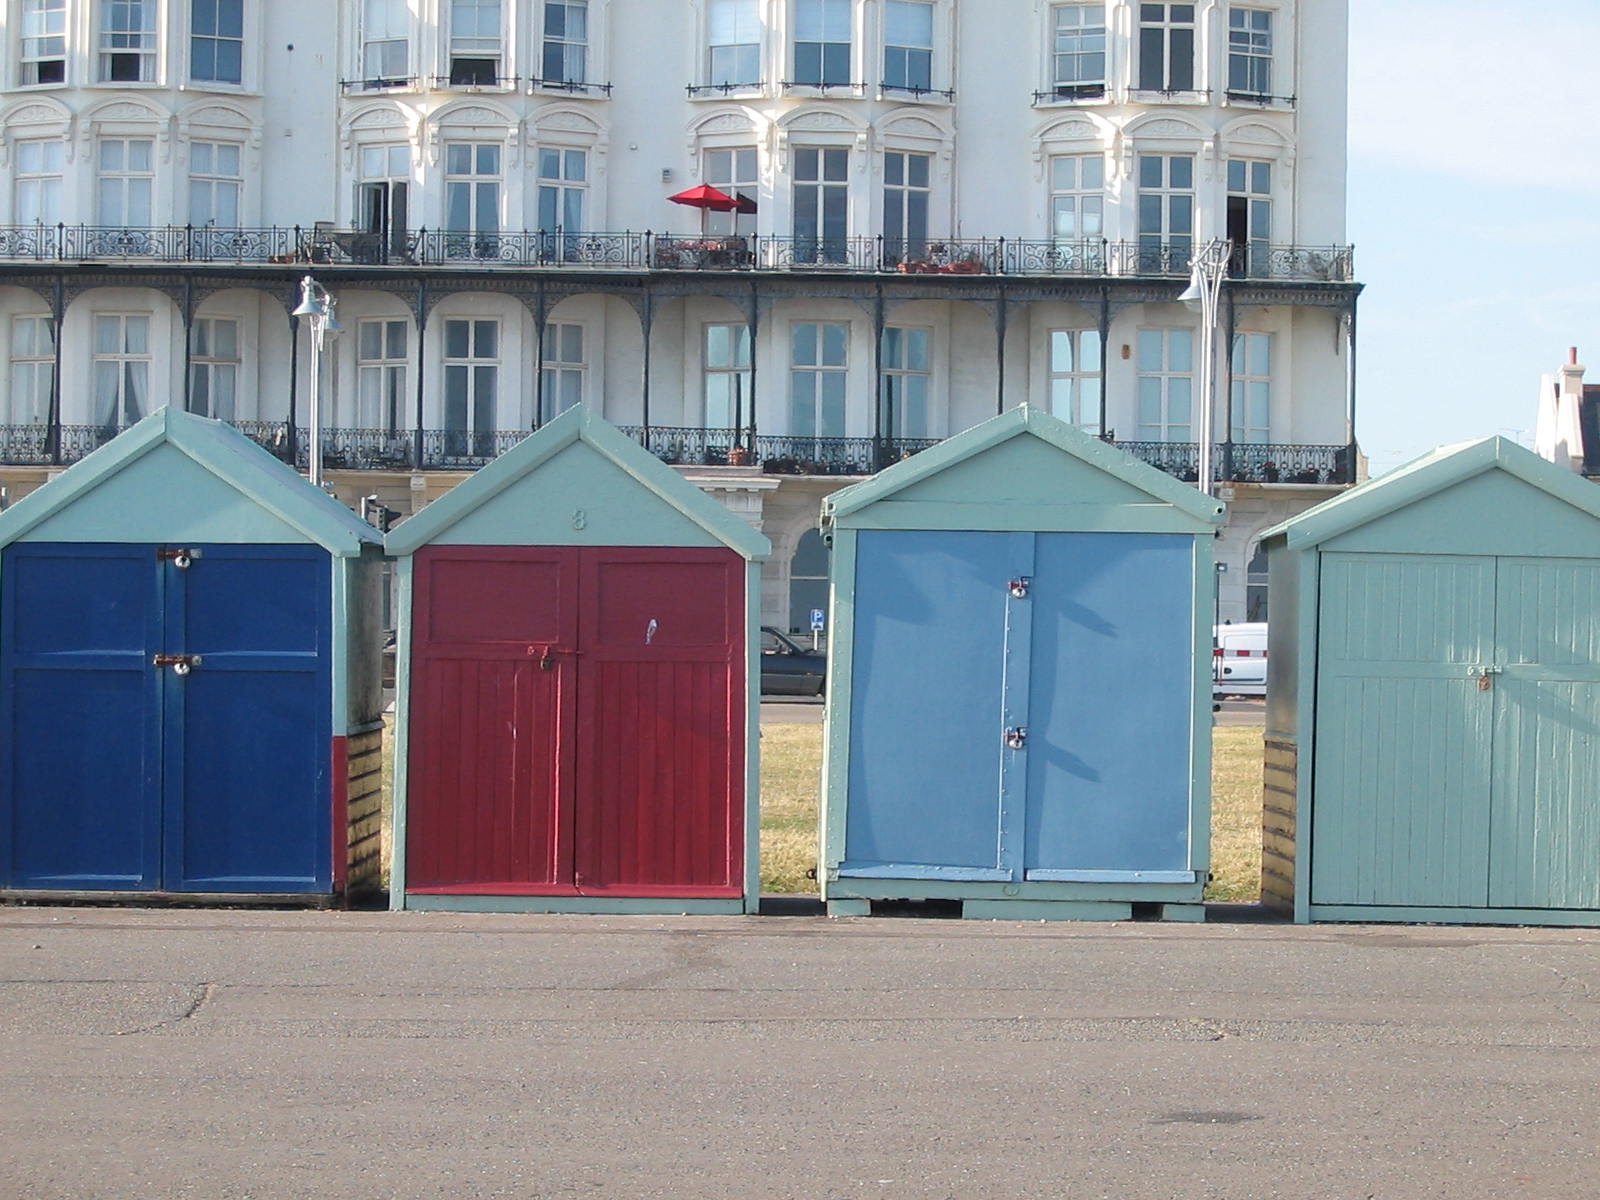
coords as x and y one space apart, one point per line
1476 90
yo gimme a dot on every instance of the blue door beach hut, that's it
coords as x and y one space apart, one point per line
1433 697
1019 685
189 676
578 699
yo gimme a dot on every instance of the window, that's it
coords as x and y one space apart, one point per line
821 203
471 372
385 53
566 42
727 377
908 46
1166 212
125 181
1249 52
127 41
733 44
822 43
1078 50
216 41
1166 47
733 172
38 181
381 374
907 368
1166 385
214 368
817 375
33 369
121 370
1077 197
1075 361
808 580
563 187
1251 386
474 43
564 366
1250 215
215 182
383 199
1255 586
472 188
44 42
905 205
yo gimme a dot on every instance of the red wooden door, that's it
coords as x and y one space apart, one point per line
660 802
492 708
577 721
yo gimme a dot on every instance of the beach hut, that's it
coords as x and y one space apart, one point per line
1433 697
1020 680
189 676
578 696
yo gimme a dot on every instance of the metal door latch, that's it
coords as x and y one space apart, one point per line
547 661
181 664
180 558
1485 675
1020 586
1017 737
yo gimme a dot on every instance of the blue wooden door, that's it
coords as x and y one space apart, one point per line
80 715
122 775
247 783
1109 706
927 709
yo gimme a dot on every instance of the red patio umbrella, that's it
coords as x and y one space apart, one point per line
706 196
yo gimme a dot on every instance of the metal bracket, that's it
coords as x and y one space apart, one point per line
1021 586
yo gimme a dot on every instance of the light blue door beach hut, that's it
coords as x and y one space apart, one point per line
578 687
1433 697
189 676
1019 680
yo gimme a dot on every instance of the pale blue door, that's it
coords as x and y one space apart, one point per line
1110 706
1403 749
1545 828
926 719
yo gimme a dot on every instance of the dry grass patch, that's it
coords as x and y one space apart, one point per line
791 779
1236 814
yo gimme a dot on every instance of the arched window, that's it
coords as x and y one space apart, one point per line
808 580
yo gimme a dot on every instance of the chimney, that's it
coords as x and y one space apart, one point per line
1571 383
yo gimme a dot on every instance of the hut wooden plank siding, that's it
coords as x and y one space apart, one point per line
1019 680
188 675
578 704
1433 722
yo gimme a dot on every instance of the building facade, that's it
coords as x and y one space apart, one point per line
939 209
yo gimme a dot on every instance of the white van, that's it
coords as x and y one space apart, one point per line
1239 659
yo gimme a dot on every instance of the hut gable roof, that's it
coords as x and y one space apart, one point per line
578 481
175 476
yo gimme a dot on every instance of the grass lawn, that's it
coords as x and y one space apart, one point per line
791 759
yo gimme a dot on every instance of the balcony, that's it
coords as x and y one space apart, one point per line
561 249
774 454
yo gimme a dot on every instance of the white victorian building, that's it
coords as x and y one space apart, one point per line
943 208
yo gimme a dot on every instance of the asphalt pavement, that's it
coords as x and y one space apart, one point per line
223 1054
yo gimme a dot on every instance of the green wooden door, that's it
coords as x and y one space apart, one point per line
1403 751
1545 828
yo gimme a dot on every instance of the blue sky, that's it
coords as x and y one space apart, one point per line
1475 212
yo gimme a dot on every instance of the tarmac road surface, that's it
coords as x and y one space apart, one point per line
220 1054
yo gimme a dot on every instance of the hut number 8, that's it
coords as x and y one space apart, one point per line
580 519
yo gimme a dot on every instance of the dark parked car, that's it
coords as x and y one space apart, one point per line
788 669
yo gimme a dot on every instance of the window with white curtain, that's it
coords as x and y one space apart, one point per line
216 180
37 167
127 41
564 366
1250 51
1166 385
822 41
565 57
1251 387
126 181
818 373
907 362
908 46
381 374
1075 386
385 43
727 380
1078 49
33 368
214 368
44 42
732 171
121 374
476 43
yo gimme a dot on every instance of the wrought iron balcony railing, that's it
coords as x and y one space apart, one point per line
1249 462
628 251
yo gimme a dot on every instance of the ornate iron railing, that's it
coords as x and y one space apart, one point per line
629 251
25 445
465 450
362 449
272 436
1249 462
686 446
834 456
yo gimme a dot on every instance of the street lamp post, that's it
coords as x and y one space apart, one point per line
1206 269
316 311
